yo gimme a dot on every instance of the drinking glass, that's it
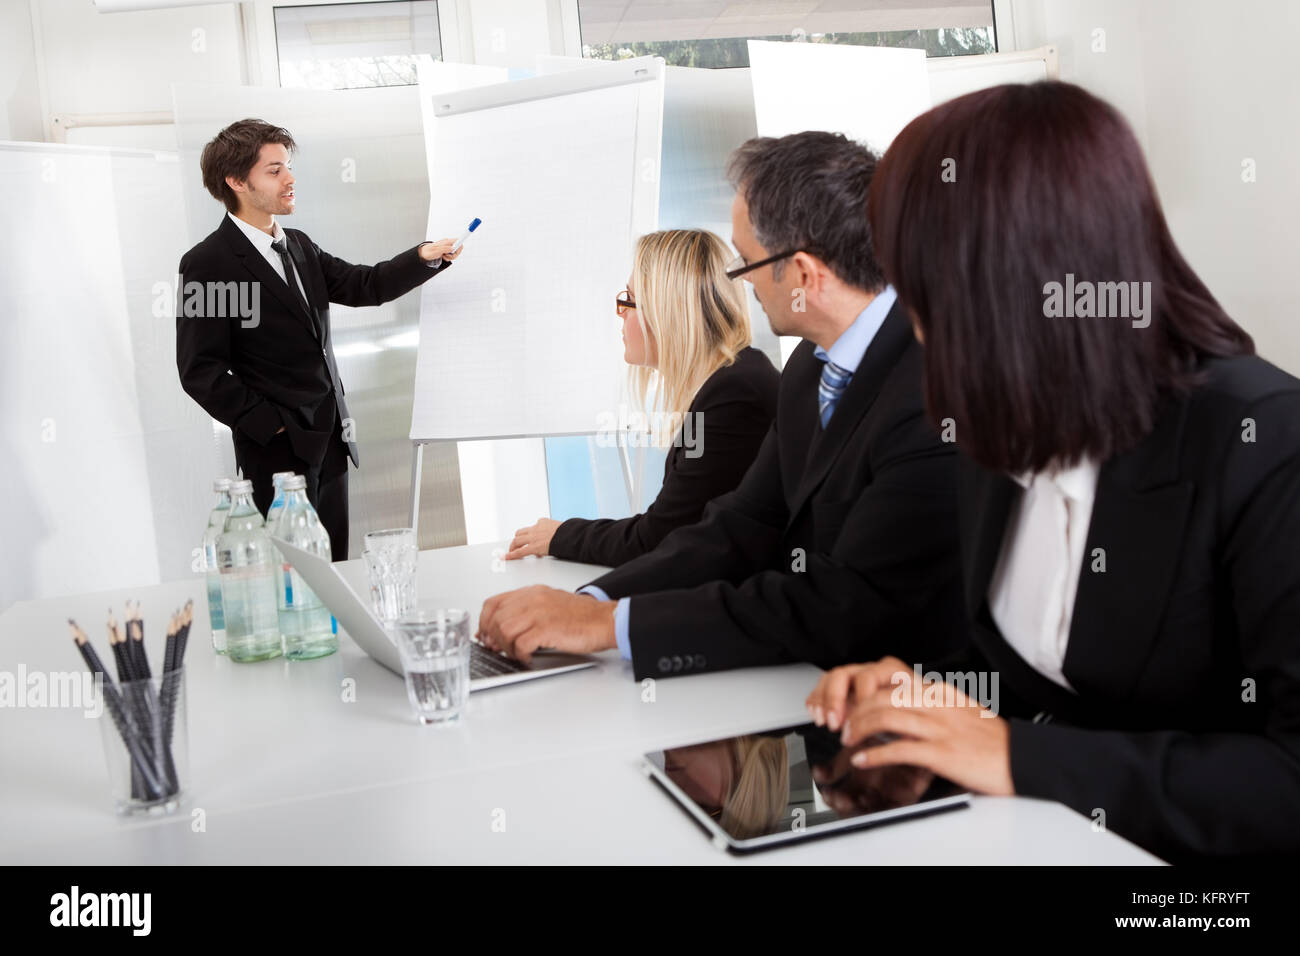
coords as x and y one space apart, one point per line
435 649
391 559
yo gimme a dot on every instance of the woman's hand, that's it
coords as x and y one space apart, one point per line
930 724
535 540
839 688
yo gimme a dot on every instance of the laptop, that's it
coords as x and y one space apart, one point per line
790 784
486 667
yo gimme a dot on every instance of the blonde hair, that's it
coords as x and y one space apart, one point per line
697 318
759 789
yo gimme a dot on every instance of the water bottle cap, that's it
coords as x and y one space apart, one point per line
221 484
294 483
241 486
280 476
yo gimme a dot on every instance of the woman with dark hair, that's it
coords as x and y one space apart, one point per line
1129 492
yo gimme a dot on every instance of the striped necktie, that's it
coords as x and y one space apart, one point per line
834 381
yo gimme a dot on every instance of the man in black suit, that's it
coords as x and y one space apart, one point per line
252 323
842 535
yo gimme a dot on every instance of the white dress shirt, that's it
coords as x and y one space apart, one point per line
1031 594
262 243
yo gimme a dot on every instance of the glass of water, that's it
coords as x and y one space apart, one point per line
391 558
435 649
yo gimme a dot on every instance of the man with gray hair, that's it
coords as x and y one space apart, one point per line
840 544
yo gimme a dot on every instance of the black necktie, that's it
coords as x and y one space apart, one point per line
281 246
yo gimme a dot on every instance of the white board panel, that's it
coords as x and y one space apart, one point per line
520 337
866 93
957 75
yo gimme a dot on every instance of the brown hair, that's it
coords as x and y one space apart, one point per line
983 203
234 152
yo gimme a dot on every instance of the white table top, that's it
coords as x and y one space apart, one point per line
284 770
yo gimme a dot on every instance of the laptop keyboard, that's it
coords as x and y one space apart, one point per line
487 663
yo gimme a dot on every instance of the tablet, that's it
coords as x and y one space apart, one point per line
791 784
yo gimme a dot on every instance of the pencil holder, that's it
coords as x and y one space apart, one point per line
146 743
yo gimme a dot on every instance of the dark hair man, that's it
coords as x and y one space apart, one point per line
252 323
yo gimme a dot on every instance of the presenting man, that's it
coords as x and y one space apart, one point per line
841 538
252 323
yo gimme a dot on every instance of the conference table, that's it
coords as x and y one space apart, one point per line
323 761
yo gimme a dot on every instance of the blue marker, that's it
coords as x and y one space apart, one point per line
465 235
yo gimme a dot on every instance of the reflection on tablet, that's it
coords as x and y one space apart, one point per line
792 783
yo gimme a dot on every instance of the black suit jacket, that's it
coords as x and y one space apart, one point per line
281 369
734 409
838 545
1185 651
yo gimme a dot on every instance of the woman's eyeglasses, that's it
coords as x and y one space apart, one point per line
737 267
624 302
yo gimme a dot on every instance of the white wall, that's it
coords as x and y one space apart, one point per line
92 62
126 62
20 119
1206 85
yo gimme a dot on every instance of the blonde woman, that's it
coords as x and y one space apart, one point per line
686 336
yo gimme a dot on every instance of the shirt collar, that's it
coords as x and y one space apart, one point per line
260 240
848 349
1078 483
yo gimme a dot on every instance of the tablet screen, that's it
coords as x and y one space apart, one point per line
792 782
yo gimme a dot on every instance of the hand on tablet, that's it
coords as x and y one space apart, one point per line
937 726
519 623
839 688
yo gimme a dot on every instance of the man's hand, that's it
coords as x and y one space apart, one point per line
439 250
519 623
534 540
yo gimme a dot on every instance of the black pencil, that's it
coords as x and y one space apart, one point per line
124 675
171 682
141 702
117 640
167 703
135 631
119 657
183 638
117 710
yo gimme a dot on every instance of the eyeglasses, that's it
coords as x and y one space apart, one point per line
623 302
737 267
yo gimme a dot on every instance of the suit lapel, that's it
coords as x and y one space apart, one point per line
826 444
987 498
1138 520
256 263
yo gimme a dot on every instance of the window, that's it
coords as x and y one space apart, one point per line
346 46
714 35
